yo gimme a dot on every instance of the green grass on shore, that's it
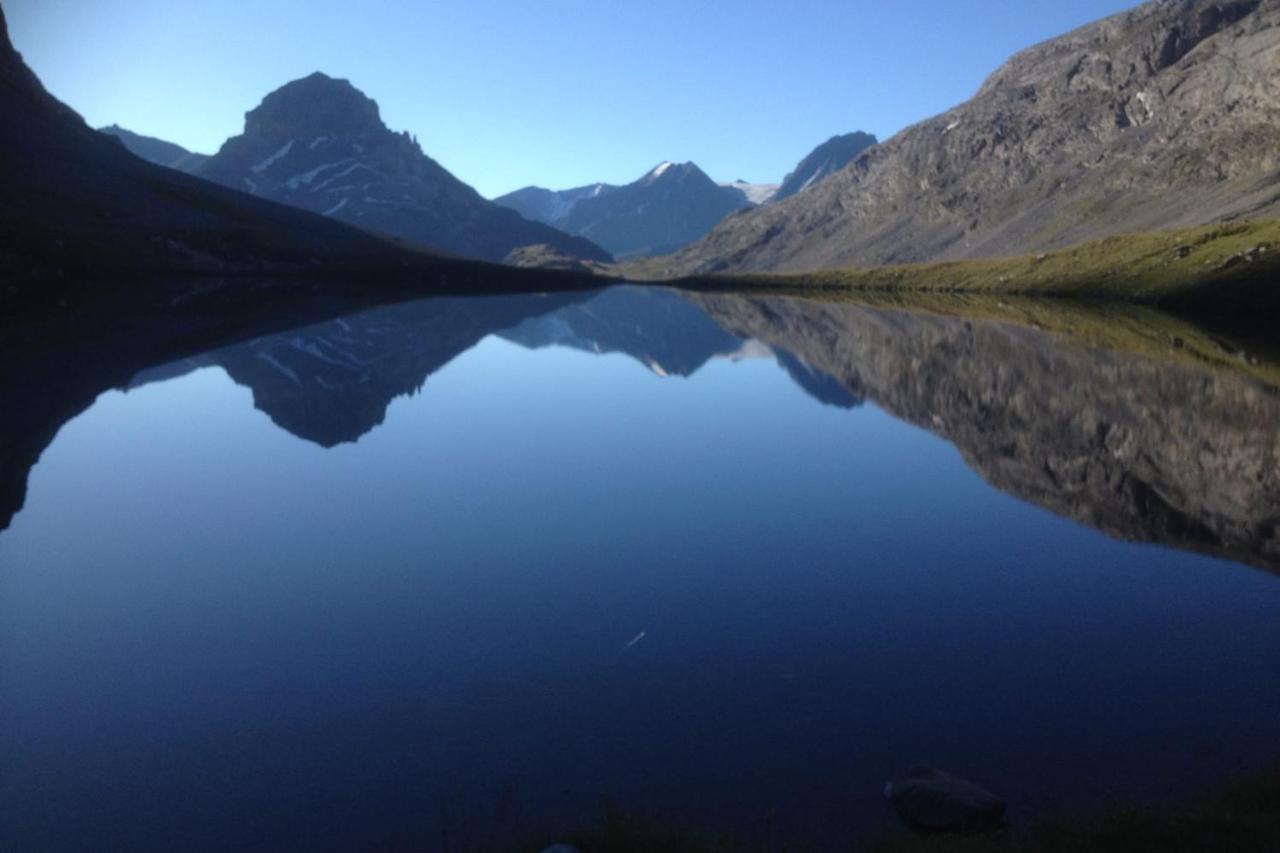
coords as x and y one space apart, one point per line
1242 818
1235 263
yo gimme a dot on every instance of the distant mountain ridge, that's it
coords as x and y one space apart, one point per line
1167 115
549 206
158 151
669 207
319 143
823 162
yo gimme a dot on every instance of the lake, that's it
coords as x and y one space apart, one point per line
466 573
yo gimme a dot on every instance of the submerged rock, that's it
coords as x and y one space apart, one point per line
930 800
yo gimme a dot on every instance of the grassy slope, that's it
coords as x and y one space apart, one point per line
1198 266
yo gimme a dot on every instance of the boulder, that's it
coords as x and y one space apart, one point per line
930 800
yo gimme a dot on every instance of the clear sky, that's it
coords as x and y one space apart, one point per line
559 93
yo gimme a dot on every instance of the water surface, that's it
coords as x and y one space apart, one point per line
461 572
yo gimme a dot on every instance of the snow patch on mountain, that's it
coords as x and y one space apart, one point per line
307 177
267 163
755 193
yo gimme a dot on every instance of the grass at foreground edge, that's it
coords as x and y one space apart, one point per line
1232 267
1242 818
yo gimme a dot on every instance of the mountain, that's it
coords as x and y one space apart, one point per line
320 144
549 206
823 162
669 207
74 202
156 150
1166 115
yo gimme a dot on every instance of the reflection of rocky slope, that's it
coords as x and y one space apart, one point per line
1138 448
58 357
331 383
665 332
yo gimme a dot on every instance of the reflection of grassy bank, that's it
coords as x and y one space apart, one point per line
1124 326
1243 818
1231 269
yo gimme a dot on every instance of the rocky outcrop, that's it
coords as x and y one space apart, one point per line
320 144
932 801
1137 447
1167 115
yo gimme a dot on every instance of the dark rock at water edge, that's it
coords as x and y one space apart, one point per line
929 800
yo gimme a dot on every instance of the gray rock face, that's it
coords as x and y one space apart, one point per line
933 801
1166 115
1137 447
320 144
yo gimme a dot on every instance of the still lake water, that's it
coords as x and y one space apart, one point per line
463 572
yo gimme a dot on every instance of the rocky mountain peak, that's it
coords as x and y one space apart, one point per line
676 174
1120 51
315 105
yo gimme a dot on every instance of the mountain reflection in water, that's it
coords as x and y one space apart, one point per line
1138 447
712 556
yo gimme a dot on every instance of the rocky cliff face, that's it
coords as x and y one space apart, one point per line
1138 448
320 144
1166 115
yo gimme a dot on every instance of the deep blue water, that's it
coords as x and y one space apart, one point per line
218 633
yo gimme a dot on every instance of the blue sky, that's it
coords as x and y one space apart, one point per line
554 92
